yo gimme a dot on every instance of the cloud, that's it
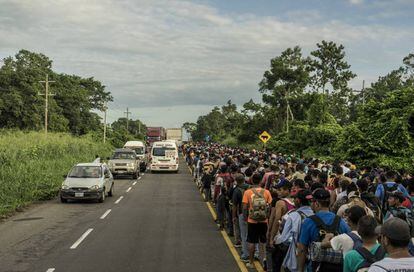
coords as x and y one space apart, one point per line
356 2
166 53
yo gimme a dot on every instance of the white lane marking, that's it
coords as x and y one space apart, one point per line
119 199
129 189
50 270
77 243
139 178
134 183
105 214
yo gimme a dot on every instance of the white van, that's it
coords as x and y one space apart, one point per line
139 148
164 157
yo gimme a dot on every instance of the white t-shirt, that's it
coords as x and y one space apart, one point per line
393 265
343 242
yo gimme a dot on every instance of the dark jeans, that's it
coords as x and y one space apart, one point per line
278 255
229 219
321 267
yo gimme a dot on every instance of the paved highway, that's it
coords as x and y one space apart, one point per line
158 223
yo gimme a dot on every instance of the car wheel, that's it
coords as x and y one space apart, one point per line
63 200
135 175
111 192
102 198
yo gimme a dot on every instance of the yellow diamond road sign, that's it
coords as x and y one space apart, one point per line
264 137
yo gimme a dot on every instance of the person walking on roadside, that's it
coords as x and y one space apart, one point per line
291 230
241 223
256 202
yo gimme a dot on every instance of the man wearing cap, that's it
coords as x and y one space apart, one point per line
310 233
395 237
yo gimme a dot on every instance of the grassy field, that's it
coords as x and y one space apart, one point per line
32 165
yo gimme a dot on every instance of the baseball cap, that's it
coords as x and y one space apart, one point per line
321 194
282 183
395 228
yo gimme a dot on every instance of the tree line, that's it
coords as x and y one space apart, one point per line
309 109
73 108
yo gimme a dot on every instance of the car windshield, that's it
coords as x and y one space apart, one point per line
160 151
124 155
139 150
85 172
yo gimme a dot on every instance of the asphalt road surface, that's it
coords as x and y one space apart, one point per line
158 223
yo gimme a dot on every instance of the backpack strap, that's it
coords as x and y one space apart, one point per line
302 215
256 193
380 253
366 254
334 227
318 222
355 238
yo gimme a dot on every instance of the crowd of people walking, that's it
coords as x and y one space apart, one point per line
299 214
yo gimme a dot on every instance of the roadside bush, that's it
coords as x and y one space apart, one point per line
32 165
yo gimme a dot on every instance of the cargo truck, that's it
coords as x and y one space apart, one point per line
155 134
175 134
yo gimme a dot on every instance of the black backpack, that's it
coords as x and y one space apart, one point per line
370 258
323 228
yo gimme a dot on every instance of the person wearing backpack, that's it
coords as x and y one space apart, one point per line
291 230
347 241
256 202
389 186
370 199
313 230
395 238
282 207
237 199
369 251
396 209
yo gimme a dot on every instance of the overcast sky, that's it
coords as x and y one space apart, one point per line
171 61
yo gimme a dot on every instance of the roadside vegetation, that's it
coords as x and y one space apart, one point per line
309 109
32 165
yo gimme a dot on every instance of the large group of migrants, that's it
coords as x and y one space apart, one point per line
298 214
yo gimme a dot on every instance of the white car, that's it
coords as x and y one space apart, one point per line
87 181
164 157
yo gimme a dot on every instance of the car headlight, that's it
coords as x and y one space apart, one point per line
64 187
95 187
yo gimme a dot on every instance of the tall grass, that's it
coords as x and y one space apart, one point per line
32 165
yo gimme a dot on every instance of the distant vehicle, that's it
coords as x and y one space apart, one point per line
155 134
139 148
87 181
164 157
124 161
175 134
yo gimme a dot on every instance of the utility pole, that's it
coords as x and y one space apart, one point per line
46 94
363 92
127 112
105 109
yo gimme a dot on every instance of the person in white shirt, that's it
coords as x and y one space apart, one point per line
395 237
346 241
